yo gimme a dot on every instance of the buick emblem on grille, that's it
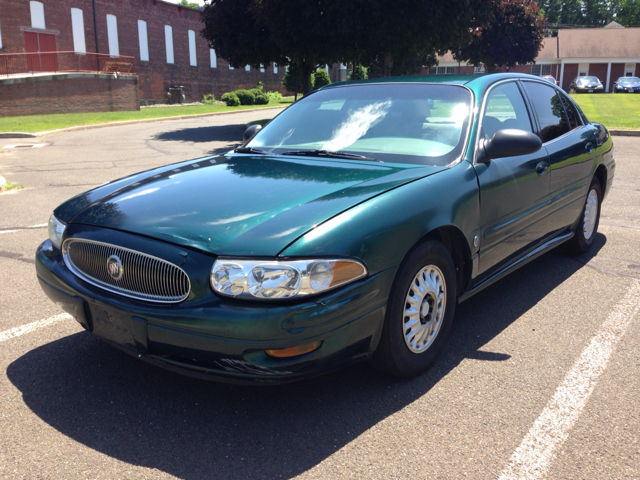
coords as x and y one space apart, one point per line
114 267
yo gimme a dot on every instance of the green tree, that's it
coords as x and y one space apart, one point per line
628 13
396 36
514 35
186 3
291 80
321 78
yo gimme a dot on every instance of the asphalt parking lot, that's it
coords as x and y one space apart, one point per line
540 379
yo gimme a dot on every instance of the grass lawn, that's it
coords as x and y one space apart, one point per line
41 123
619 110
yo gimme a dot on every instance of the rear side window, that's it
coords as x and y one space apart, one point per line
548 107
574 118
505 109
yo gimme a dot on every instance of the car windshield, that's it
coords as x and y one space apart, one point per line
629 80
588 80
399 123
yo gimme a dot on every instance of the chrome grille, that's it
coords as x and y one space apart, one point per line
141 276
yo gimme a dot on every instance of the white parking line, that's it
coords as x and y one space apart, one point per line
40 225
30 327
532 458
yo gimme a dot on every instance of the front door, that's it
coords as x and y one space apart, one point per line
512 189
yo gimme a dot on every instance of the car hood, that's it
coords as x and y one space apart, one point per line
237 204
630 84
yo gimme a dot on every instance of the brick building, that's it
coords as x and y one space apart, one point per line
607 53
164 38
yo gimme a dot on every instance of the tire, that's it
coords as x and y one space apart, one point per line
587 227
427 275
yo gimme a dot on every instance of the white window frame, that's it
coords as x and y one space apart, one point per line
583 69
541 69
212 58
193 59
275 68
0 37
168 43
247 68
37 15
112 34
143 41
629 69
77 29
231 68
261 68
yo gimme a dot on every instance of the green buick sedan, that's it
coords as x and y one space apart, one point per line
347 229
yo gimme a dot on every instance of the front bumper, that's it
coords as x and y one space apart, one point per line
225 339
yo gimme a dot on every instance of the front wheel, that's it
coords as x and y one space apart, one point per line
419 312
587 228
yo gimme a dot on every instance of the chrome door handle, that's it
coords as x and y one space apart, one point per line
589 147
542 168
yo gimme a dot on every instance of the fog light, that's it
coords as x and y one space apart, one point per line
294 351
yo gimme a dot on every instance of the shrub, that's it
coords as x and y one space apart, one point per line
359 73
273 95
321 78
208 99
231 99
256 92
262 99
246 97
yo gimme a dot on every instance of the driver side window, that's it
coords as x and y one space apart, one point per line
505 109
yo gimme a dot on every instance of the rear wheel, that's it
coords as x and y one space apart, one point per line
419 312
587 228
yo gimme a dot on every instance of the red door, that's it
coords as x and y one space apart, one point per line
39 43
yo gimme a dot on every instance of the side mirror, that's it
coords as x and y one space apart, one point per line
508 143
250 132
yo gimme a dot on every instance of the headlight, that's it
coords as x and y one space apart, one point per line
56 230
282 279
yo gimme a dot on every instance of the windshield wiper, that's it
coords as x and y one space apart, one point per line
249 150
329 154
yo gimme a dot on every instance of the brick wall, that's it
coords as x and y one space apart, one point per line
68 93
155 76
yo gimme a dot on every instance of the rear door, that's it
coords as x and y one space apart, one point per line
570 145
512 189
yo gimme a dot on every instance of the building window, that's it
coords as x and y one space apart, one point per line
441 70
275 67
37 14
77 27
212 57
261 68
540 70
230 67
112 34
168 41
193 61
143 41
0 38
247 68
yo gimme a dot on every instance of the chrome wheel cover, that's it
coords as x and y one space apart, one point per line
424 309
590 214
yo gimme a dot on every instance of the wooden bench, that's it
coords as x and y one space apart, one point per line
122 67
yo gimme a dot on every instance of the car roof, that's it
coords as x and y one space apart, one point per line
477 79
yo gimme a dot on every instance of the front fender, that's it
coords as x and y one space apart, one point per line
382 230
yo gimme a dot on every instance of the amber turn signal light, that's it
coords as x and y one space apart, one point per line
294 351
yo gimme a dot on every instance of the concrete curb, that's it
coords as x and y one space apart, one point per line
132 122
625 133
17 135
